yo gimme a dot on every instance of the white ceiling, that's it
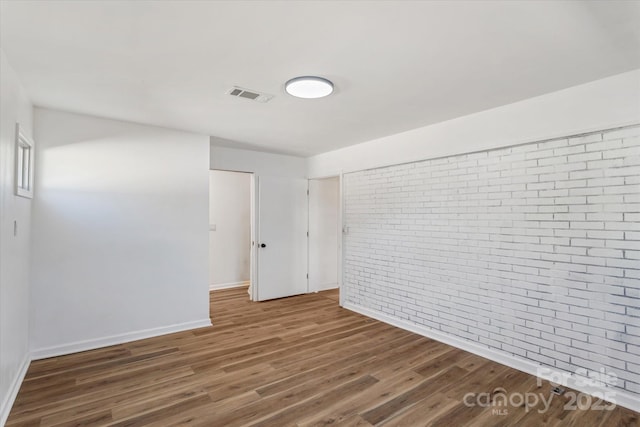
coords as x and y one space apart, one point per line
396 65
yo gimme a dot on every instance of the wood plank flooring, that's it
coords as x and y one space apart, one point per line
300 361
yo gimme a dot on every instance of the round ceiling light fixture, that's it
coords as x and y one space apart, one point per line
309 87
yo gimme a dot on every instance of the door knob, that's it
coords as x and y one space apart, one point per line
262 245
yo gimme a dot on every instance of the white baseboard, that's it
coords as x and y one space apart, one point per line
218 286
622 398
78 346
7 403
323 287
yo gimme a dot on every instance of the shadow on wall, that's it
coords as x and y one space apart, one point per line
119 226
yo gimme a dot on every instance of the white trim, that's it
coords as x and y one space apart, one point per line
218 286
329 176
255 219
10 398
22 140
324 287
341 225
92 344
622 398
308 229
253 265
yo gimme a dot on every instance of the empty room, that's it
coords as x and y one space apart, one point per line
305 213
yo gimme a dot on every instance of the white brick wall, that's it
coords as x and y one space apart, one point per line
533 250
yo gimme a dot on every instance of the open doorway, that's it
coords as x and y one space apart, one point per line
230 230
324 236
258 234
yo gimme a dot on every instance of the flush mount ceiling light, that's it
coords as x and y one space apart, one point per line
309 87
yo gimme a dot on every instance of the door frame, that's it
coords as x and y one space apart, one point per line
340 231
253 274
253 277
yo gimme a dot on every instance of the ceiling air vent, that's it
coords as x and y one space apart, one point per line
249 94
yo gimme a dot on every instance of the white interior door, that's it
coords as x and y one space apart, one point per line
282 237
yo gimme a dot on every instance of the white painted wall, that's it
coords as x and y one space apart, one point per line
267 164
14 250
528 254
230 215
324 202
602 104
120 226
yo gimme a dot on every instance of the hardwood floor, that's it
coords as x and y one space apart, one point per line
296 361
